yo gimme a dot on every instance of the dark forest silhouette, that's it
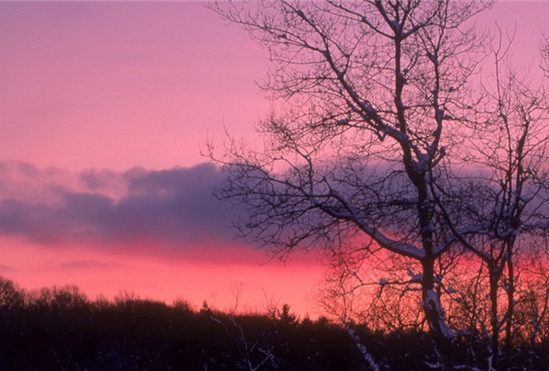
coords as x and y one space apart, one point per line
59 328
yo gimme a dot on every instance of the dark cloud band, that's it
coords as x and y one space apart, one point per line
171 208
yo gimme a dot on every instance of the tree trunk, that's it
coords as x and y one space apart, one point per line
510 291
494 276
434 314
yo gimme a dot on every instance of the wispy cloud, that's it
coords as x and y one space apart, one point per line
79 265
6 269
164 209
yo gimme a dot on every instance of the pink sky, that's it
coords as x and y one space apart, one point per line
103 110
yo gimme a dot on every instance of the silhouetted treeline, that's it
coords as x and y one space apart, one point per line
61 329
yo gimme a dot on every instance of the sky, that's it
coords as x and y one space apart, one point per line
105 109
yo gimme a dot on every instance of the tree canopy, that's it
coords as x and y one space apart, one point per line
388 135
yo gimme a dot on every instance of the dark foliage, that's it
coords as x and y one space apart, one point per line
60 329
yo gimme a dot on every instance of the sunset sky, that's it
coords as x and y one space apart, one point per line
104 109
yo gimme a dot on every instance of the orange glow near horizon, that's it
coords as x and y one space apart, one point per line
252 285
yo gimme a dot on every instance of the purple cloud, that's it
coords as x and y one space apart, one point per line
171 208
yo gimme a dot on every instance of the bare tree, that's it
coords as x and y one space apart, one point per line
252 354
372 93
503 194
545 54
532 302
375 288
